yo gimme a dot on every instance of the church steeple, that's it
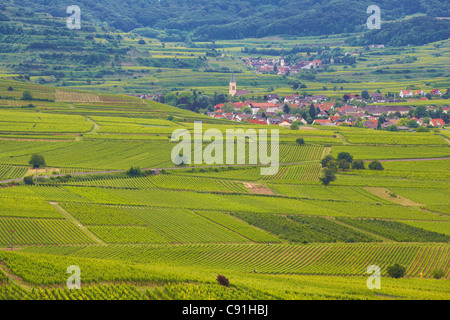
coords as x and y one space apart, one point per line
232 85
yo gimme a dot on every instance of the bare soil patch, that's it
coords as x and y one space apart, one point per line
386 194
42 171
257 188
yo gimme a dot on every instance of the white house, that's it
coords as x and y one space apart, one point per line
406 94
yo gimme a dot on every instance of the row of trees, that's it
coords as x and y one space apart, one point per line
343 162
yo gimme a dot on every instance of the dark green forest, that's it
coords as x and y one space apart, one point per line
416 31
206 20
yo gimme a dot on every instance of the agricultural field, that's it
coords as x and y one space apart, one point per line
163 231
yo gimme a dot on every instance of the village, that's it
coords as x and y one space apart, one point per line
280 67
371 110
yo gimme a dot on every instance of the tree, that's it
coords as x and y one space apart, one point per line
171 99
344 165
393 127
403 122
328 177
325 161
37 161
28 180
376 165
345 156
300 141
365 95
246 110
294 126
359 123
312 111
26 95
286 108
358 165
421 112
381 120
413 124
396 271
228 108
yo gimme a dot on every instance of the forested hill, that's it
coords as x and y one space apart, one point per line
416 31
233 19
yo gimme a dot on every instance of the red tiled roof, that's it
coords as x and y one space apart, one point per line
437 122
257 121
240 105
264 105
322 121
334 118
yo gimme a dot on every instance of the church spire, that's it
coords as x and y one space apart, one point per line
232 86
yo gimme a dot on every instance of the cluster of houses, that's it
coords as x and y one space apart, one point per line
280 66
272 111
412 93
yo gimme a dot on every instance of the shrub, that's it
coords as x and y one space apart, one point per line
344 164
10 88
294 126
65 178
300 141
392 127
328 176
396 271
376 165
358 165
28 180
326 161
437 274
422 129
223 281
345 156
134 172
27 95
